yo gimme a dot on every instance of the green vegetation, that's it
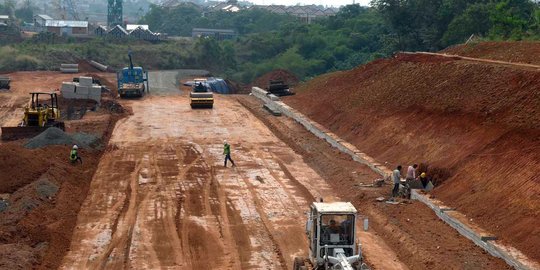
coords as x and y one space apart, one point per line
181 19
268 41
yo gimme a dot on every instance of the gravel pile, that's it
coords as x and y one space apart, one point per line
55 136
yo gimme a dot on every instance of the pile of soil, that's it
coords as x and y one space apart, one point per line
523 52
42 192
478 123
55 136
45 194
278 74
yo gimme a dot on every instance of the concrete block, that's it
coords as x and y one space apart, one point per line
67 87
86 81
69 95
81 90
95 89
273 97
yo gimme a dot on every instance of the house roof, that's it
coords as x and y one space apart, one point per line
44 17
131 27
119 28
61 23
4 17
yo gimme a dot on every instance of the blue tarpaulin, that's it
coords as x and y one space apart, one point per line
217 85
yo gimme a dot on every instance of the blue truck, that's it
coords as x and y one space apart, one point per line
132 81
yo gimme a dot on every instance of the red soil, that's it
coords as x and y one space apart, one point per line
477 125
278 74
524 52
35 231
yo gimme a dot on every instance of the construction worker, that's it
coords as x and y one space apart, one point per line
411 173
333 227
423 178
227 153
74 155
396 177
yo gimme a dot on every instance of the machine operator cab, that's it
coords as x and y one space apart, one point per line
331 230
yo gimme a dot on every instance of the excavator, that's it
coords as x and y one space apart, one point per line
331 231
38 116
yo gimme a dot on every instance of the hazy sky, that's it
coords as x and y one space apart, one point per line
335 3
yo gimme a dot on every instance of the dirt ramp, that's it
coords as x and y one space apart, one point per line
278 74
524 52
471 120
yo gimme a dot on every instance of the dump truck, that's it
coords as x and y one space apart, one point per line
331 231
38 116
131 81
200 95
4 82
279 88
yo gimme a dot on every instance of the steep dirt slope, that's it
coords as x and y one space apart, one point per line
477 127
523 52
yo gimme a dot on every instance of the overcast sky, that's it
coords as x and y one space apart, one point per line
335 3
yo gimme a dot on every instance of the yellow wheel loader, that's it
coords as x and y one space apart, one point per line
38 116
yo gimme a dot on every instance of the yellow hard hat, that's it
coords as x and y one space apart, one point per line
423 175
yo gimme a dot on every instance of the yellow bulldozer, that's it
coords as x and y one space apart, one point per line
38 116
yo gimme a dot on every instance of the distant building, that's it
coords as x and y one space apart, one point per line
4 20
219 34
118 32
101 31
132 30
131 27
67 28
39 22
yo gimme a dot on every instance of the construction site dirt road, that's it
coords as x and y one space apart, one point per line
161 197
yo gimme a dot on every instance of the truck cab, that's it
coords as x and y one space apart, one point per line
331 231
131 82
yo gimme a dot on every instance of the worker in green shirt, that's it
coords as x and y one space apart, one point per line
227 153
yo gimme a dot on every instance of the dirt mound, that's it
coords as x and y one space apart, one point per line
84 66
278 74
42 192
478 123
51 136
523 52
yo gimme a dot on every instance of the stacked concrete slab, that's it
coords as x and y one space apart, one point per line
84 89
69 68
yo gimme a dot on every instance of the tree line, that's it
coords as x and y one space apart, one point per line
355 35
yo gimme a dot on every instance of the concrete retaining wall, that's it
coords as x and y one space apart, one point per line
453 218
322 132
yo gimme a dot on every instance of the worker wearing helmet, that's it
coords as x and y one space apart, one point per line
423 178
74 155
227 153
